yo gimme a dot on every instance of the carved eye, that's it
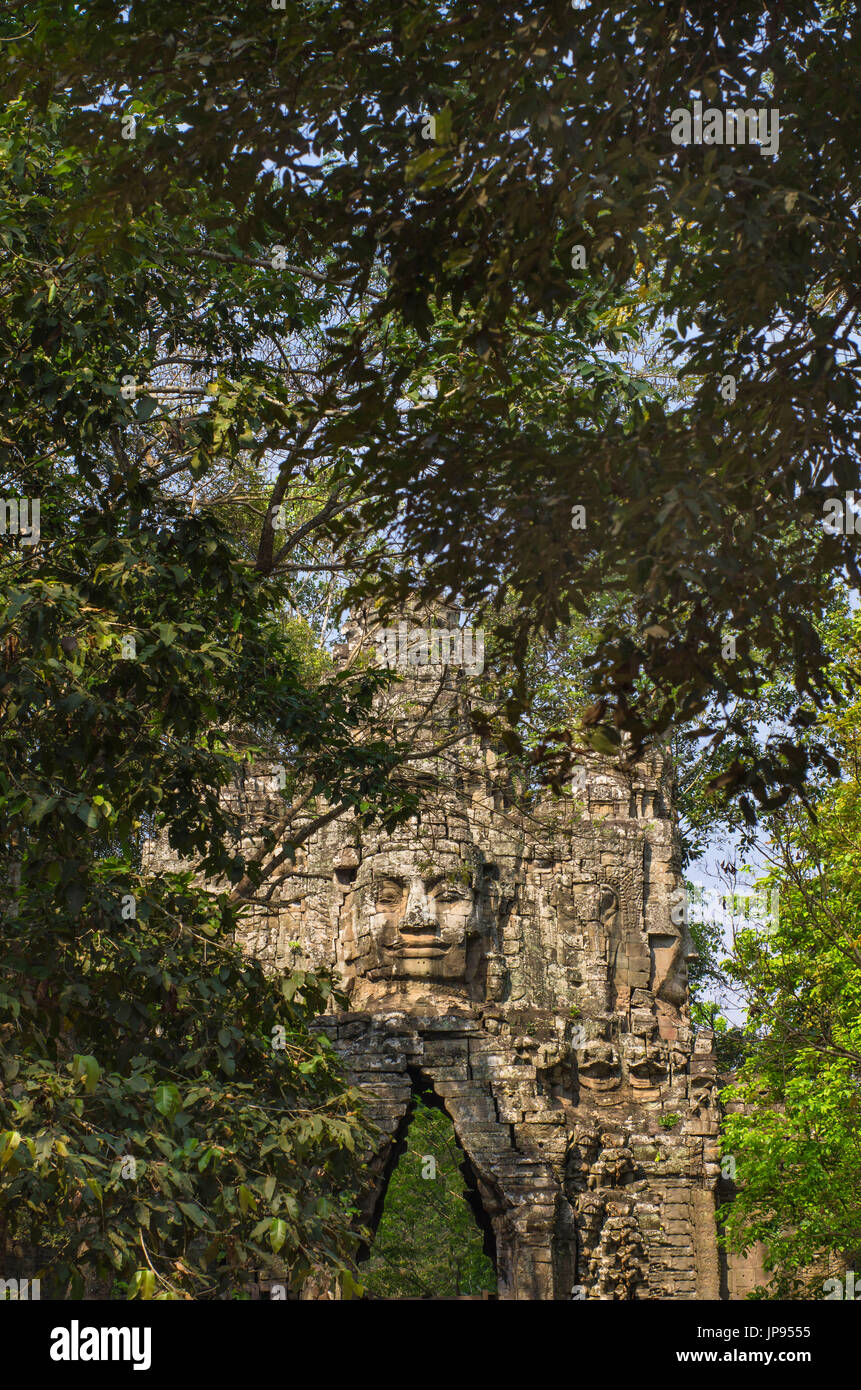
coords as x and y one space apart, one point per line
450 894
389 893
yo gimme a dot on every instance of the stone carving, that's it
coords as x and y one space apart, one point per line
407 920
616 1266
524 962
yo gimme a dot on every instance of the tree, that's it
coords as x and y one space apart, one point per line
467 153
796 1144
168 1118
238 245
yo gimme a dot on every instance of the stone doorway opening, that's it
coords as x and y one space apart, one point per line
432 1237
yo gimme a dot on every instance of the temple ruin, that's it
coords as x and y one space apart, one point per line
528 963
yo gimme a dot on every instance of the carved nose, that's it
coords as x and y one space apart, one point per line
418 919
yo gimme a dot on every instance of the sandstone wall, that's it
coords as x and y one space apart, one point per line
528 960
531 965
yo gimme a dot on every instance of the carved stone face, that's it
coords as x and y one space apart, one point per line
420 922
414 921
671 955
598 1065
703 1092
646 1062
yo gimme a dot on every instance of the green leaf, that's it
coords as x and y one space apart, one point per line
42 807
85 1066
145 406
350 1287
194 1214
277 1233
142 1284
167 1099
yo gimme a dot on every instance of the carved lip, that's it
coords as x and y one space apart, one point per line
420 952
428 948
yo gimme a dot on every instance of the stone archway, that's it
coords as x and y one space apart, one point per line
518 1178
529 964
431 1233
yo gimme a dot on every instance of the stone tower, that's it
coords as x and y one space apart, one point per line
528 962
